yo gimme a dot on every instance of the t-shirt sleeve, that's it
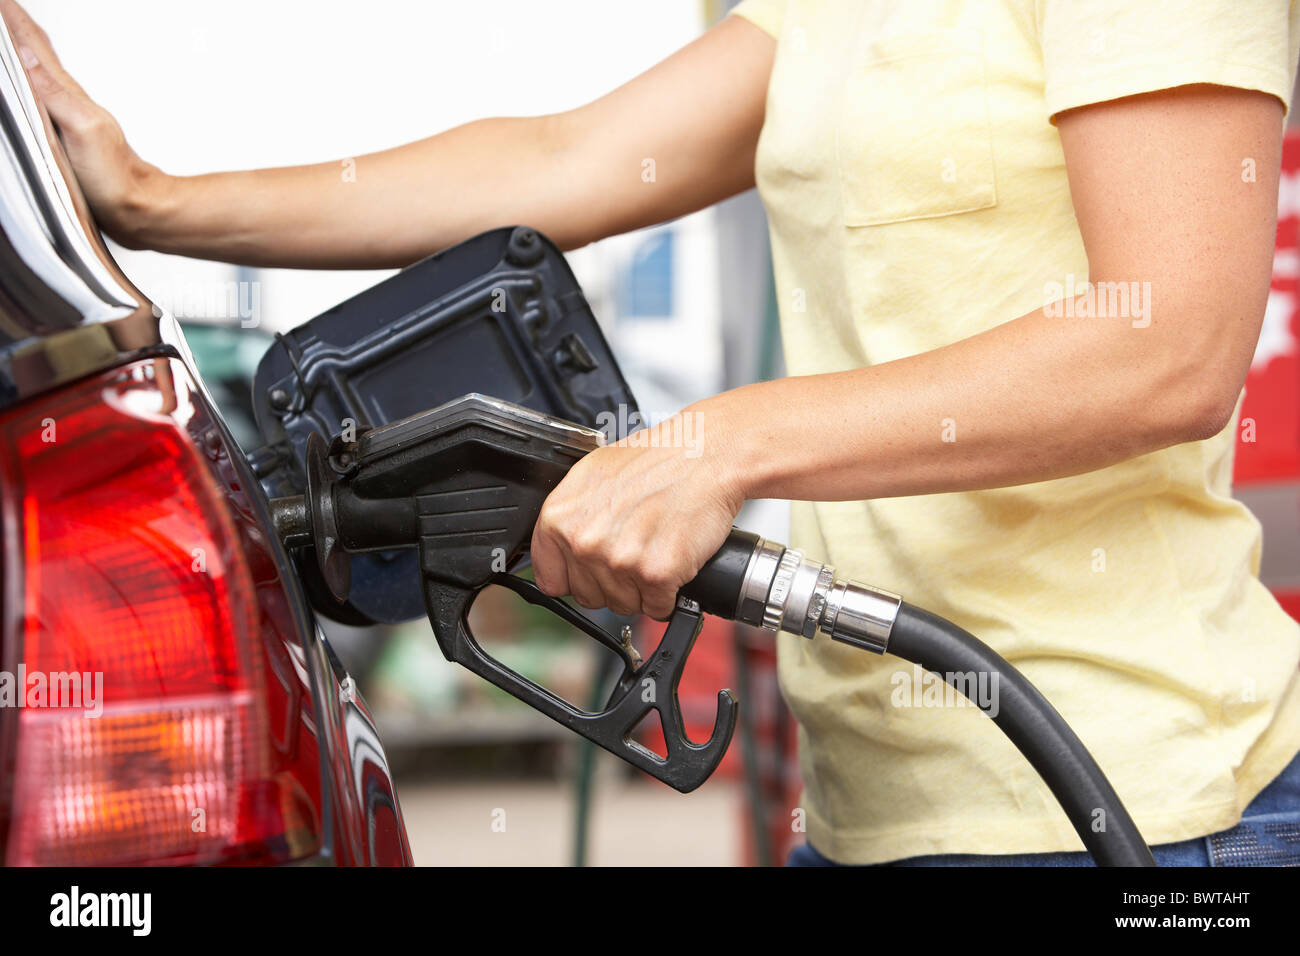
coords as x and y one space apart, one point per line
764 14
1105 49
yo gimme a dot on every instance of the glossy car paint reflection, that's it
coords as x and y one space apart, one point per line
66 312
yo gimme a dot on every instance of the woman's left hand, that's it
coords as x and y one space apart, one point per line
633 522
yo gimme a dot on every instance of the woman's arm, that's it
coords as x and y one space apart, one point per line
1158 190
576 176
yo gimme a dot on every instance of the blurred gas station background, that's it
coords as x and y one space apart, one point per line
687 307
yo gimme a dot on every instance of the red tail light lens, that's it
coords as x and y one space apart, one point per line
140 619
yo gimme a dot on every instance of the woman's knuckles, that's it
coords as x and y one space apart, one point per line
94 122
624 561
658 576
588 546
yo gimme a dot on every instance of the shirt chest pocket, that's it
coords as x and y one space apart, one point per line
913 139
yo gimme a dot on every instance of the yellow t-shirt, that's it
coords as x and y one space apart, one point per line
917 195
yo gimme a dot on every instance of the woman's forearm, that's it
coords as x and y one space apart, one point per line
1037 398
673 140
379 210
1052 394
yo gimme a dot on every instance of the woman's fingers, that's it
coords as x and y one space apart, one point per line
37 53
67 104
630 524
24 30
116 182
618 592
66 101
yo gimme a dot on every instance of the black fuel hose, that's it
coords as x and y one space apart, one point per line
1037 730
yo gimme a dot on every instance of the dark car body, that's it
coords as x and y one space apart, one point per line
138 550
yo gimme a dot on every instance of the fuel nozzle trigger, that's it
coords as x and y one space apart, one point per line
650 685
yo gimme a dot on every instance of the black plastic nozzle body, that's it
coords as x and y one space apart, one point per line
717 587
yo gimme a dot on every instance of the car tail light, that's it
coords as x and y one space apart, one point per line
140 618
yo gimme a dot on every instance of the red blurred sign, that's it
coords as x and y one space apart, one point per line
1271 412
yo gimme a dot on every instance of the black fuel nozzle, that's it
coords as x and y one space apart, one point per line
465 482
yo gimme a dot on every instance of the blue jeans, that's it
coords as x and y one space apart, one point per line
1268 835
